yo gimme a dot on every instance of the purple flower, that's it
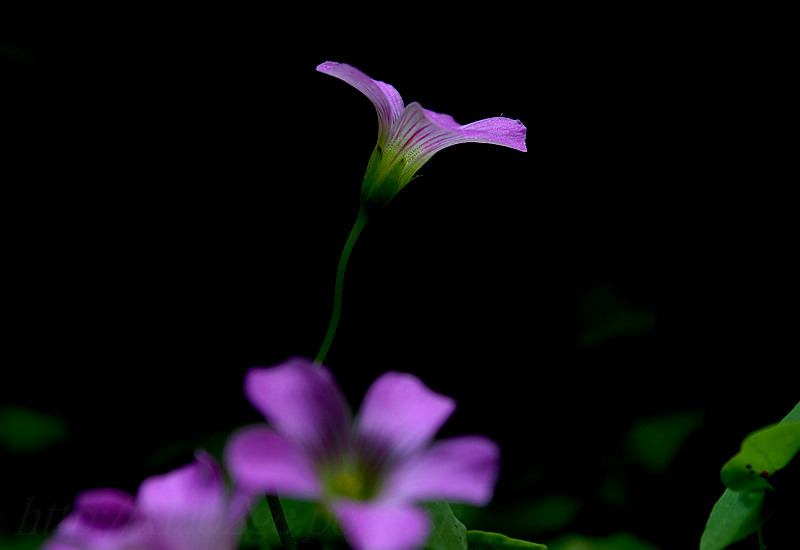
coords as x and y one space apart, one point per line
369 472
409 136
102 519
186 509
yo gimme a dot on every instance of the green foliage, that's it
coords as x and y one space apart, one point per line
762 454
25 431
307 521
310 521
655 441
550 513
448 533
736 515
605 314
618 541
479 540
21 542
739 513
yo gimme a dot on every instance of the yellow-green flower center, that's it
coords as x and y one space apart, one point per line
352 480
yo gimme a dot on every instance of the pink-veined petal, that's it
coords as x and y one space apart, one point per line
420 133
260 459
302 402
382 526
497 130
459 469
400 414
386 99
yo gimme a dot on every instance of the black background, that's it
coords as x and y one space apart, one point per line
178 186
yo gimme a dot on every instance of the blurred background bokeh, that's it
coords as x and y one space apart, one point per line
617 307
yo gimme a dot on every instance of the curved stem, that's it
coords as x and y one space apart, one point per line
337 293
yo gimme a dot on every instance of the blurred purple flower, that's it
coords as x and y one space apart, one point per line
409 136
369 472
186 509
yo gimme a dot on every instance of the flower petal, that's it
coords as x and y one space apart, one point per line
103 519
400 414
386 99
302 402
498 130
260 459
382 526
459 469
189 507
196 489
420 133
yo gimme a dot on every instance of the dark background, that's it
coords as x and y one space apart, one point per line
177 187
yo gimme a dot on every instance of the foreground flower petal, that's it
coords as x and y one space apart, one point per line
373 479
102 519
195 489
190 507
459 469
301 401
186 509
409 136
383 526
401 414
262 459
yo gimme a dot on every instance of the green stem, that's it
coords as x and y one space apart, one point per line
280 522
337 293
761 544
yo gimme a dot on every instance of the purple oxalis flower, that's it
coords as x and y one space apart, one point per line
369 472
408 136
186 509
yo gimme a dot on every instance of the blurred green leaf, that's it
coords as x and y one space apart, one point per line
22 542
479 540
617 541
605 313
26 431
15 53
655 441
550 513
448 533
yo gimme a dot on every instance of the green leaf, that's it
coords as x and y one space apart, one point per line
763 452
22 542
307 521
622 540
656 441
479 540
606 313
736 515
448 533
25 431
793 416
